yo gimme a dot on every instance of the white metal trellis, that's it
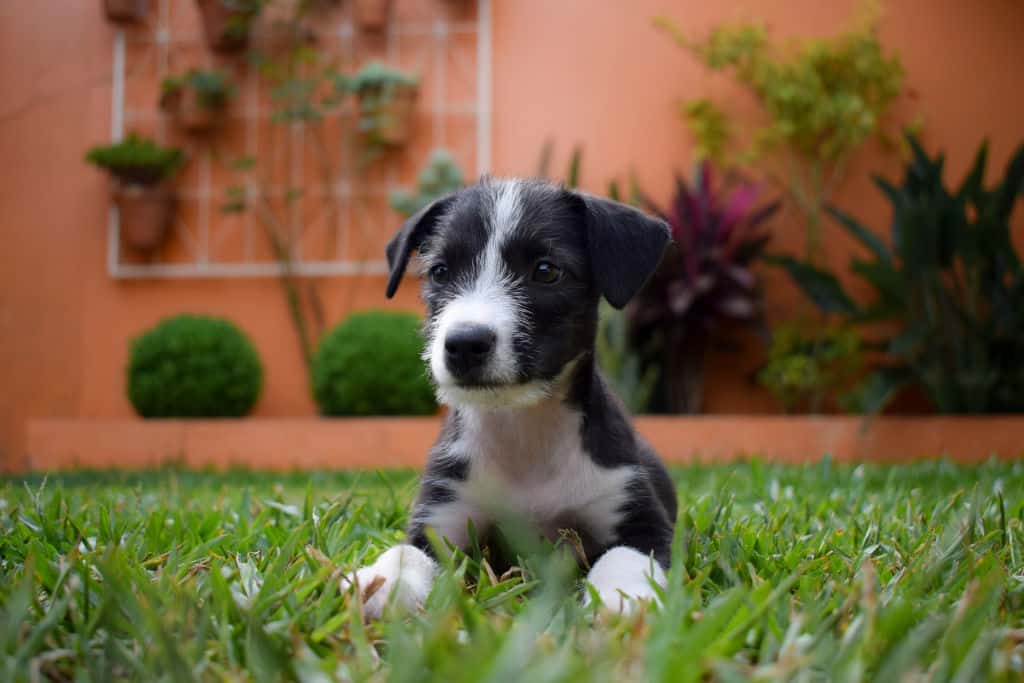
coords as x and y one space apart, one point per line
201 266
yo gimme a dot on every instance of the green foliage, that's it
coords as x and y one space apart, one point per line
620 364
213 88
370 365
949 283
137 160
377 87
710 128
194 366
376 76
300 78
809 364
823 99
441 176
823 572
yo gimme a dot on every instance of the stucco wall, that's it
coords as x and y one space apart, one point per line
588 71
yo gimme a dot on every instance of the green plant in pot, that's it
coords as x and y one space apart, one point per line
145 204
704 286
386 101
197 99
947 302
228 23
439 177
128 11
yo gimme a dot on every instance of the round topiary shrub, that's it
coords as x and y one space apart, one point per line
194 366
370 365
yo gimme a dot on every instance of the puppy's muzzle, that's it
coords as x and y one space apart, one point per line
468 349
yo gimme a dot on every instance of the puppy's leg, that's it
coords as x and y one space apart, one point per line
403 574
622 577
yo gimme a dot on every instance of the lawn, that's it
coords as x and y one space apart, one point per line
816 573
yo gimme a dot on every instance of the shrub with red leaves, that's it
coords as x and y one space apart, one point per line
704 283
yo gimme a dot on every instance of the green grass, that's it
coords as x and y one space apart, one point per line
817 573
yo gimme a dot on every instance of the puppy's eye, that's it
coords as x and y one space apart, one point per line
547 273
439 274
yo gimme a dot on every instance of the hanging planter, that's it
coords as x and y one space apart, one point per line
371 15
387 103
198 100
227 23
141 169
126 10
146 214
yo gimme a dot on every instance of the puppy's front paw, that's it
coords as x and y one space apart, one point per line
402 575
622 579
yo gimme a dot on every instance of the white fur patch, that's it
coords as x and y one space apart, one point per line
408 575
487 303
508 208
529 462
488 300
622 577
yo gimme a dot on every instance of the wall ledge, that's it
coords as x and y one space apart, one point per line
385 442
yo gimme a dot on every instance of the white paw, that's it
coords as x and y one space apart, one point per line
622 579
402 575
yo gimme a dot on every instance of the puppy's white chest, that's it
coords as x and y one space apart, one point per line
531 465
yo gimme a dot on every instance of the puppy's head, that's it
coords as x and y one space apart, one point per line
512 274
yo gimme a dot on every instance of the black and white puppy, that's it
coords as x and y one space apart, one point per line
513 270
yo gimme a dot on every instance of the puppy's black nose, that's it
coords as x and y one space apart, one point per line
468 347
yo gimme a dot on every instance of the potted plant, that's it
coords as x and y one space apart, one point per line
440 176
704 285
371 15
145 204
197 100
226 23
387 101
126 10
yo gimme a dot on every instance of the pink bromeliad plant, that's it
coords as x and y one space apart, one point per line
705 282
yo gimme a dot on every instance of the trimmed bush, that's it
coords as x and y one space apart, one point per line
370 365
194 366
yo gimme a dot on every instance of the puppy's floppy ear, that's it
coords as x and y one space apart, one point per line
409 237
625 246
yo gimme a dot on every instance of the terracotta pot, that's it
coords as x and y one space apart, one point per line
189 113
395 115
146 213
372 15
126 10
226 25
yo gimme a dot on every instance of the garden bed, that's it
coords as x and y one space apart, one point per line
308 443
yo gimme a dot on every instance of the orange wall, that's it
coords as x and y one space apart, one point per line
586 71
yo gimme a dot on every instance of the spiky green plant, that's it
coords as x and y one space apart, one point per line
949 282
